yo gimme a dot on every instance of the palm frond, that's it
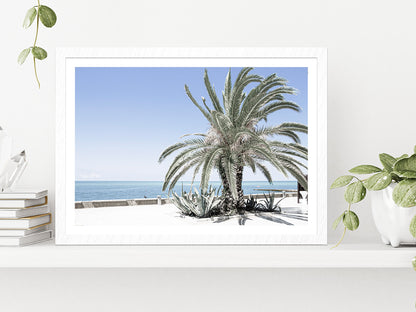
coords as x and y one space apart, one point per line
210 159
290 147
290 134
297 174
211 93
288 159
279 151
182 172
269 156
285 129
196 170
276 106
181 162
250 162
222 122
186 153
206 105
173 148
251 109
193 134
237 97
293 126
227 93
265 172
203 111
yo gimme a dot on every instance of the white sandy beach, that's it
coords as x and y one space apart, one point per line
168 215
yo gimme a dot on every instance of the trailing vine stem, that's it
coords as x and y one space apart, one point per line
45 15
341 239
34 44
343 233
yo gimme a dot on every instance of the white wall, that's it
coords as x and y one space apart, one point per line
371 109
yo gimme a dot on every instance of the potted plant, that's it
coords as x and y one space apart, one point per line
393 201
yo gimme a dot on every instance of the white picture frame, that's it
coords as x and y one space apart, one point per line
68 233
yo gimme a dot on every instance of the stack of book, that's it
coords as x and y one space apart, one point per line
24 218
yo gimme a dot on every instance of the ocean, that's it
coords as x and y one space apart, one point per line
107 190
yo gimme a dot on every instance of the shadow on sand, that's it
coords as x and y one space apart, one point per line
272 218
242 219
297 217
220 219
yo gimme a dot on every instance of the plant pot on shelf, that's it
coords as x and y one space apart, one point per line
392 221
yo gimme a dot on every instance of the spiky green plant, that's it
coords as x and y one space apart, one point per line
269 204
183 202
199 204
236 140
251 203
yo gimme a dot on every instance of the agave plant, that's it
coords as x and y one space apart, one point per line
251 203
269 204
197 204
236 140
183 202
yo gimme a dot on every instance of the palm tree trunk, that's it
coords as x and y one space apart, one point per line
228 206
240 192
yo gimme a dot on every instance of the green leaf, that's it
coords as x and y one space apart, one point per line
338 220
22 56
39 53
378 181
30 17
365 169
414 150
414 263
404 194
412 227
47 16
406 174
403 156
342 181
387 161
355 192
351 221
395 177
406 167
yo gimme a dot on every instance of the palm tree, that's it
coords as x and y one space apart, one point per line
236 140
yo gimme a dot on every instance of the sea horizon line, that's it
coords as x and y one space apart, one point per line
176 183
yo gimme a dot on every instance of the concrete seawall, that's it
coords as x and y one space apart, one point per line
121 202
153 201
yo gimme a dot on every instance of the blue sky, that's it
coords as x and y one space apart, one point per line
126 116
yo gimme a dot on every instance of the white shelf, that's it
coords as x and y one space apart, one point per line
47 255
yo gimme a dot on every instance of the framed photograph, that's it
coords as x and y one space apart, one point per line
191 146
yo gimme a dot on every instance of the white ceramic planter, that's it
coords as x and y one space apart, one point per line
391 220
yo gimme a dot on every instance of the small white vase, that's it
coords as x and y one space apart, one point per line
391 221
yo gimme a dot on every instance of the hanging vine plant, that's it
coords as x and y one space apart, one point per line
47 16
